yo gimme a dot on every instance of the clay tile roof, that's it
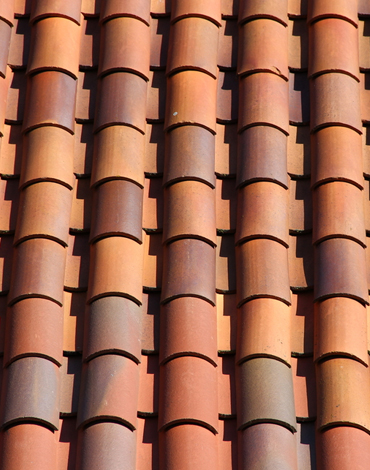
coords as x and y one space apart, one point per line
184 226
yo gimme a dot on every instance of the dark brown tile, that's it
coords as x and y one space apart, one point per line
262 271
185 263
32 392
117 402
44 212
121 100
106 446
188 328
189 212
122 274
45 259
108 161
188 387
264 9
189 155
345 261
204 9
51 99
198 51
271 109
263 46
265 393
125 46
56 8
34 327
117 210
139 9
262 156
55 45
181 109
113 325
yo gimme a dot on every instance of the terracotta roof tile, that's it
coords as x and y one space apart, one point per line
70 385
154 148
8 205
5 34
301 273
156 98
11 150
226 322
227 96
304 384
14 85
21 7
298 44
225 264
153 204
298 154
55 8
7 12
90 42
159 30
226 389
299 98
123 8
150 322
83 148
77 262
332 9
264 9
300 208
226 150
73 310
364 44
6 256
86 95
228 37
302 323
148 386
81 205
226 204
209 9
147 444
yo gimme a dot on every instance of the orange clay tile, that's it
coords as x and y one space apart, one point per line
330 149
9 196
335 100
189 155
86 95
7 11
263 212
226 195
227 57
148 386
209 9
297 44
229 8
44 212
125 46
226 149
342 448
67 447
319 9
159 29
156 99
326 58
300 206
29 446
139 9
70 378
346 221
188 444
262 156
343 391
6 255
227 443
279 447
51 98
272 107
83 148
77 263
51 8
118 154
32 392
73 312
301 275
55 46
90 41
46 260
117 402
365 150
188 386
147 448
227 96
262 271
249 10
363 8
153 204
153 260
184 90
304 385
117 210
187 51
299 98
297 8
5 34
154 149
340 270
264 327
364 97
263 47
11 150
189 212
113 325
106 445
302 322
122 100
225 264
226 389
340 329
81 205
226 322
188 328
299 157
121 261
150 315
47 156
185 263
29 320
364 45
265 393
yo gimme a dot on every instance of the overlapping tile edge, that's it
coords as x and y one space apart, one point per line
233 341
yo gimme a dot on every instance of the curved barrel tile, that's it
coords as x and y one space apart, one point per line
278 11
208 9
56 8
139 9
318 9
